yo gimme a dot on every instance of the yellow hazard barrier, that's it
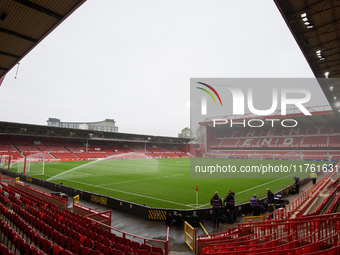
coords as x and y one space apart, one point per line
190 236
76 199
253 219
157 214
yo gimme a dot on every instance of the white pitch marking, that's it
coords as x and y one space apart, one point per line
134 194
146 179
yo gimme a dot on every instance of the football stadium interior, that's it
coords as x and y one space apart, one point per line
61 187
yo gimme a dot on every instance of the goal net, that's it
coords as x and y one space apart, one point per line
4 161
31 165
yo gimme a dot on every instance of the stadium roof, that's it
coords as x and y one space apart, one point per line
18 129
24 24
315 26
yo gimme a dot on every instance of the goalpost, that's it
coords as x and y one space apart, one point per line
31 165
5 161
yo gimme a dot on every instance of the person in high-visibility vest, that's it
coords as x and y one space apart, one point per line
216 202
313 177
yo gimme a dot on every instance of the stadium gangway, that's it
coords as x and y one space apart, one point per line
308 204
304 206
326 203
334 206
291 209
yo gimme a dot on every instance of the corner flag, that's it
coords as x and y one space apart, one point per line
196 196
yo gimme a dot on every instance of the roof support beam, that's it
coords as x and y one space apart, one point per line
316 47
27 38
40 9
2 68
312 7
8 54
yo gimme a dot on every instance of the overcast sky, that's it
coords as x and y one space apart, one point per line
132 61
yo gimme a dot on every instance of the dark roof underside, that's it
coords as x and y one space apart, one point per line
23 24
315 26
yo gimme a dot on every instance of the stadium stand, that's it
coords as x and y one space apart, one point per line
308 225
312 143
70 149
32 225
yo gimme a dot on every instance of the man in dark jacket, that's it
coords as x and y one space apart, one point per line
297 185
271 201
230 206
216 202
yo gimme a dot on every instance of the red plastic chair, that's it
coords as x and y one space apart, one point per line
118 246
62 240
146 247
99 239
95 252
65 252
106 242
89 243
126 249
56 249
107 250
117 252
88 233
98 246
85 251
135 246
143 252
82 239
46 246
128 242
157 250
77 247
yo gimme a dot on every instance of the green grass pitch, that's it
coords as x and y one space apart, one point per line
160 183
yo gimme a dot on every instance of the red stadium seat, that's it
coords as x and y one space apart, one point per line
107 250
85 251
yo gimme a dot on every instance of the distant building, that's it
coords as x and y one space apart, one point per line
107 125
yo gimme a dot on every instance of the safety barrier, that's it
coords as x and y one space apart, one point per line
8 180
61 203
299 235
190 236
253 219
103 217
